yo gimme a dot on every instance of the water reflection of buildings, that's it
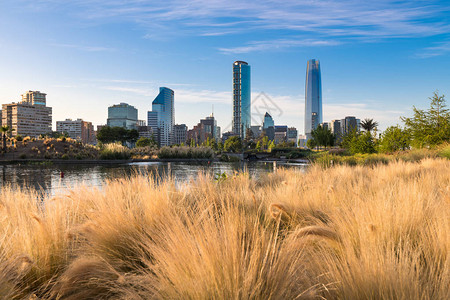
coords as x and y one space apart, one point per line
17 176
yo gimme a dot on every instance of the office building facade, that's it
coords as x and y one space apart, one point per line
241 98
292 135
122 115
313 97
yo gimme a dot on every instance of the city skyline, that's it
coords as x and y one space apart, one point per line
378 59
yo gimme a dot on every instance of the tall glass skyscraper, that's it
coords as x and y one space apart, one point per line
163 105
313 97
241 98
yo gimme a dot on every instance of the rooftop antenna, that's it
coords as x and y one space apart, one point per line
212 114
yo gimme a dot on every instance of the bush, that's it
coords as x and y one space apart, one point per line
145 142
23 156
115 151
186 152
445 152
65 156
19 138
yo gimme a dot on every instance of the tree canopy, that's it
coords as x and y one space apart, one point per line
117 134
429 127
323 136
369 124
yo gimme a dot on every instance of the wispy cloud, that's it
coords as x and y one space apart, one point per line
85 48
340 20
351 18
277 45
440 49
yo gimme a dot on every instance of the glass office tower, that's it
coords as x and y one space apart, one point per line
122 115
163 105
241 98
313 97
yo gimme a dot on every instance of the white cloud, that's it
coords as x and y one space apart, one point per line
345 19
276 45
440 49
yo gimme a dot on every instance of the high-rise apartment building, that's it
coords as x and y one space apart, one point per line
122 115
30 117
180 133
34 98
348 124
77 129
163 106
241 98
313 97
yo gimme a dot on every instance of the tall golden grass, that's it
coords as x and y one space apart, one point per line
378 232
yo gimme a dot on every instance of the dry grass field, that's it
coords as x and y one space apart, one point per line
379 232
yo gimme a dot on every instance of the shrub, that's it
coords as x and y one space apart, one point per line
65 156
115 151
186 152
19 138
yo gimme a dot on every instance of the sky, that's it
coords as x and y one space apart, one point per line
378 58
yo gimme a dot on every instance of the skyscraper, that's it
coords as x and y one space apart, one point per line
163 105
313 97
241 98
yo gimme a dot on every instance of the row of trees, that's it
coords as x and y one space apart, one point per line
426 128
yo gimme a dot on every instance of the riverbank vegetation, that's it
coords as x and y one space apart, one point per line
327 233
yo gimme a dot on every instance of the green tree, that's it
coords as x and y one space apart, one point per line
233 144
369 124
429 127
362 143
393 139
271 145
258 146
192 143
4 130
117 134
144 142
323 136
311 143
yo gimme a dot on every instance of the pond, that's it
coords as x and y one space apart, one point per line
48 177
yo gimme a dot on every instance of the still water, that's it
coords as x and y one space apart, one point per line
47 178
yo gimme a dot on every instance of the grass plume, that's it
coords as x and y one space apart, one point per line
379 232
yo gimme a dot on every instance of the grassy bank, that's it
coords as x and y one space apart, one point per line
342 157
334 233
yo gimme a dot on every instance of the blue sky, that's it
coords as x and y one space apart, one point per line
378 58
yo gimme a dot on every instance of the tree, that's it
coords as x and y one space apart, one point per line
258 146
271 145
369 124
233 144
429 127
144 142
358 142
323 136
311 143
117 134
4 130
362 143
393 139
